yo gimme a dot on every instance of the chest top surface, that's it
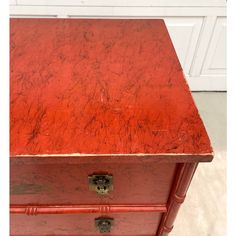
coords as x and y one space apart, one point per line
99 87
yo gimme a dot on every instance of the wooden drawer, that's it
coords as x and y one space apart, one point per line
65 180
145 223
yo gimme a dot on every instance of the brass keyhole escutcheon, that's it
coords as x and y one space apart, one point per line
101 183
104 225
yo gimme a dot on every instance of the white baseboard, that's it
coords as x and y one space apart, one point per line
207 83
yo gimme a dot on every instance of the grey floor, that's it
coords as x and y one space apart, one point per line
204 210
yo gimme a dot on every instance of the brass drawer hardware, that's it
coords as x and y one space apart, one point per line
104 225
101 183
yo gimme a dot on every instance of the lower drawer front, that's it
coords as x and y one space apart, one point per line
129 224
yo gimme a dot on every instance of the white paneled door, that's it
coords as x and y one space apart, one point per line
184 32
215 61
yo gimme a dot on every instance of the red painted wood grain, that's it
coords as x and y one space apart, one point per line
99 87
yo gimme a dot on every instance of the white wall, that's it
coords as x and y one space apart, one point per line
197 28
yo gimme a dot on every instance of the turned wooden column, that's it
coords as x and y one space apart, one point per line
182 181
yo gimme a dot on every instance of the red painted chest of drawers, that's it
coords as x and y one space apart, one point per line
105 136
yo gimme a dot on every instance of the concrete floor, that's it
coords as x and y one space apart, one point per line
204 210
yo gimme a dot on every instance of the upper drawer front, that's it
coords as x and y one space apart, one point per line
48 182
129 224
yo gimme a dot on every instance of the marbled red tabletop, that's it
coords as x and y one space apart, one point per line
100 87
